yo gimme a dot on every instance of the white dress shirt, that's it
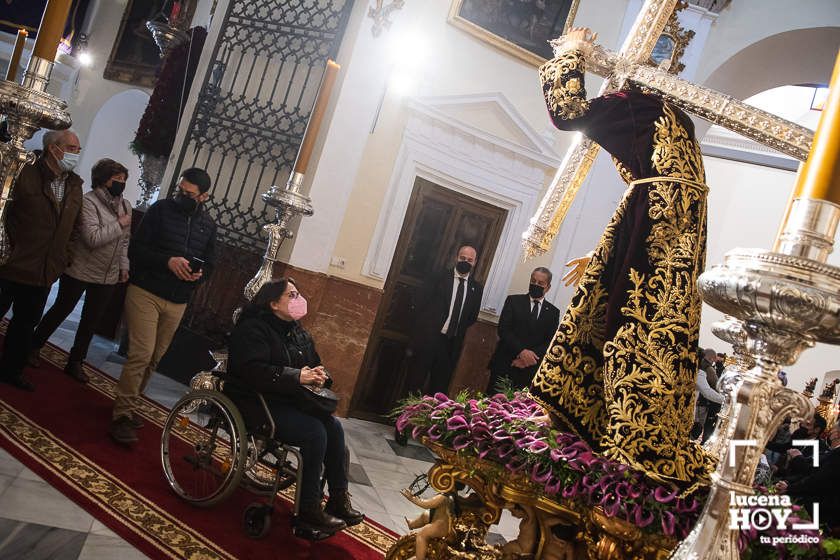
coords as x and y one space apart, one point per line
455 277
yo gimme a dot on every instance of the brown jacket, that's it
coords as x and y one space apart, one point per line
39 227
100 244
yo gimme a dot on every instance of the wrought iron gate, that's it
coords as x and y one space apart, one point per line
253 106
254 103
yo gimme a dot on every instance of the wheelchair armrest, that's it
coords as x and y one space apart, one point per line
267 415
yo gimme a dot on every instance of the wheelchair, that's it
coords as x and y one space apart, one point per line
208 450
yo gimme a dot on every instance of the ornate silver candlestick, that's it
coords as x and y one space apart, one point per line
785 302
26 107
287 202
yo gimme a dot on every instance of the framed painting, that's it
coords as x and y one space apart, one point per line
522 28
135 57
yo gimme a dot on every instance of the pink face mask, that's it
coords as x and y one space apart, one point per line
297 307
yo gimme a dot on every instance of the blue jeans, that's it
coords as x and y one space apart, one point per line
321 442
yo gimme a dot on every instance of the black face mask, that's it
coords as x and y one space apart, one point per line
116 188
535 291
463 267
186 203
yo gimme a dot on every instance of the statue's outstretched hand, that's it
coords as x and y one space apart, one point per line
581 34
408 495
578 266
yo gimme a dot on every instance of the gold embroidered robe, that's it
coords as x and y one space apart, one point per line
621 370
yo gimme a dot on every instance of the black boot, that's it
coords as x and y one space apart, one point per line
316 518
33 358
75 370
339 505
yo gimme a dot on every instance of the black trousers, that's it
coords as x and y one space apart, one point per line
70 291
321 442
711 420
27 304
441 362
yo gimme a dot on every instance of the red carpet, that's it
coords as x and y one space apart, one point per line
60 433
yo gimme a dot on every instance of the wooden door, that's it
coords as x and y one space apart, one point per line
437 222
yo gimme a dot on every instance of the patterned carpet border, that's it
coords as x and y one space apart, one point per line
152 529
169 536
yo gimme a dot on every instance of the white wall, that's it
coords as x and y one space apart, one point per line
746 22
110 133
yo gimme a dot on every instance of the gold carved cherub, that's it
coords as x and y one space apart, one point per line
434 523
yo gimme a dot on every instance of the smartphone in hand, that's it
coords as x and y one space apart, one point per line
196 264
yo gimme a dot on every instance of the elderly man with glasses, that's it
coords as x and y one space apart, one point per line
47 200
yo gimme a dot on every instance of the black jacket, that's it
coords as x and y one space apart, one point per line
432 308
517 332
167 231
266 355
821 486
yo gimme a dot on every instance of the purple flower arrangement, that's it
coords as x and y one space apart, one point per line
505 429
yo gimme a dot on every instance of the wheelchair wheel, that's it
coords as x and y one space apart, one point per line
261 473
257 520
203 448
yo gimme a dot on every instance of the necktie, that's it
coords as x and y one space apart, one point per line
455 316
535 312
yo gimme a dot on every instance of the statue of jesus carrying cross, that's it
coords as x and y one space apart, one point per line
621 370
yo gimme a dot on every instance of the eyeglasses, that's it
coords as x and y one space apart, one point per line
193 196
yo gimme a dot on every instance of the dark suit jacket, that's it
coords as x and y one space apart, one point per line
516 332
432 308
821 486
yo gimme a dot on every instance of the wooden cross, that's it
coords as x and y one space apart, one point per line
629 66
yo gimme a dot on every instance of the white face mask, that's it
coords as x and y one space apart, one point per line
68 162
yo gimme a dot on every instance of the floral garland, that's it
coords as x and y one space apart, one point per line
155 134
505 428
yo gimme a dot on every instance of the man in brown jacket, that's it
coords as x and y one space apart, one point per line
47 198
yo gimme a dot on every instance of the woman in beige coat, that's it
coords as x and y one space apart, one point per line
99 260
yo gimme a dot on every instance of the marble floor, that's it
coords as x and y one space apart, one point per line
38 523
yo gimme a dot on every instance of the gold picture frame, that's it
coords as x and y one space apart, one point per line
135 57
516 27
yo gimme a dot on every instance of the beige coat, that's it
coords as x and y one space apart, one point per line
100 243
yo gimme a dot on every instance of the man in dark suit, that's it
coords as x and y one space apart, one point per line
447 307
526 326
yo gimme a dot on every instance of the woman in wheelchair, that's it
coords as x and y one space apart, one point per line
272 354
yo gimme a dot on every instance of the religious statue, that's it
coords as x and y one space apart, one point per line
828 391
525 543
433 523
621 370
810 387
452 528
533 524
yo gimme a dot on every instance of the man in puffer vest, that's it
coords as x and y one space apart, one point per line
171 252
